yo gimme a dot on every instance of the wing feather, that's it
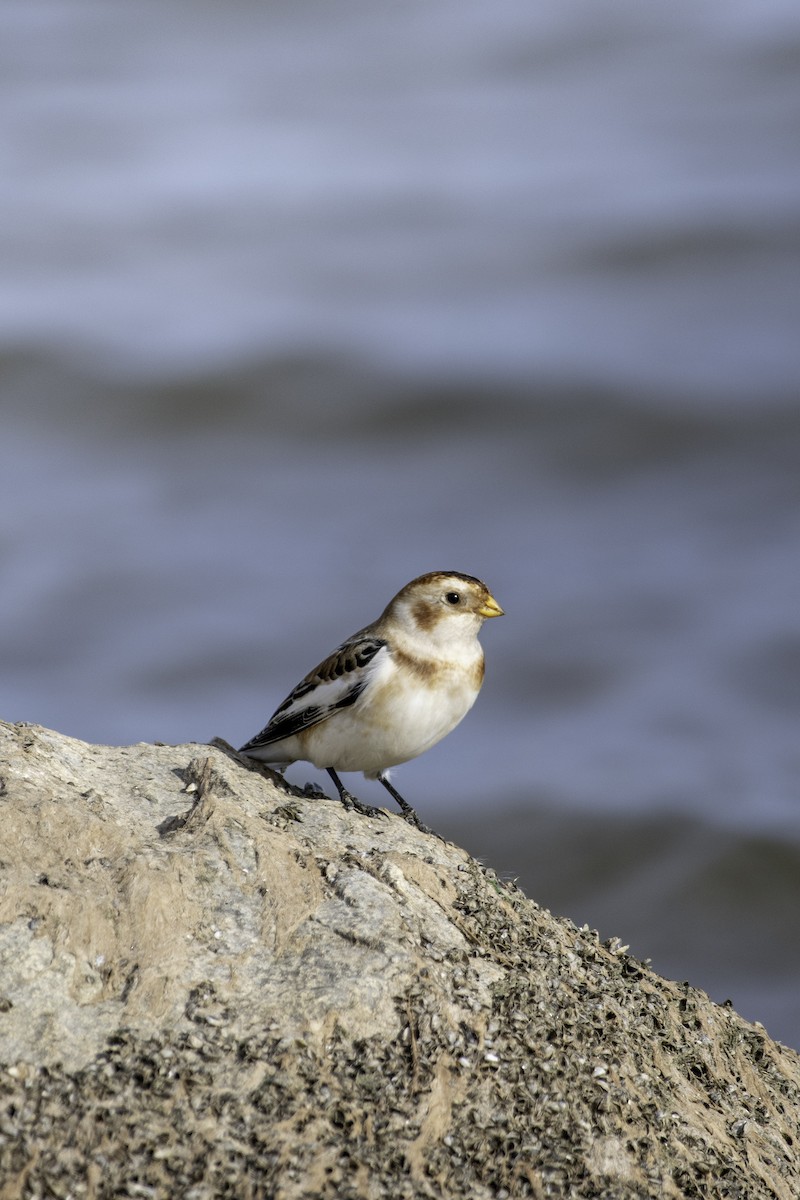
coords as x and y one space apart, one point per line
336 683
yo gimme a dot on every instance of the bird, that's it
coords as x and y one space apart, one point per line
390 691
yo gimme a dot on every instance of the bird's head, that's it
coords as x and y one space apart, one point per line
443 608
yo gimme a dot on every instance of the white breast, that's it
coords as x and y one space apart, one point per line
398 717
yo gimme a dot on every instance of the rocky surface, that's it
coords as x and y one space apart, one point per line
209 987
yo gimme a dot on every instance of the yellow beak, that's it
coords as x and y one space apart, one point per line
490 608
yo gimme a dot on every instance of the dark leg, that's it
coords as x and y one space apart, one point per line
408 812
350 801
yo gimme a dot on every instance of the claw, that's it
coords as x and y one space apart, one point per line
353 804
408 813
412 819
366 810
350 802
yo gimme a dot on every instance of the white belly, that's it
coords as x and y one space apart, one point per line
390 728
389 724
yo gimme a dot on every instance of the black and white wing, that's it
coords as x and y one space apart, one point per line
336 683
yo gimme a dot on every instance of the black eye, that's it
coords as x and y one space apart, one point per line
453 598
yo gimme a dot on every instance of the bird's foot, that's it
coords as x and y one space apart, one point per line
409 814
412 819
351 802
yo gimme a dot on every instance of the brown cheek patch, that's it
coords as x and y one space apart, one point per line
425 615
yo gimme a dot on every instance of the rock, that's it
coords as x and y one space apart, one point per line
210 987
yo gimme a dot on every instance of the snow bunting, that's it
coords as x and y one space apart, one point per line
391 691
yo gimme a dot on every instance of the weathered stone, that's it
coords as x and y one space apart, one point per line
209 987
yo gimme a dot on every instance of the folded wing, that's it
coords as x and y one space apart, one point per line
335 683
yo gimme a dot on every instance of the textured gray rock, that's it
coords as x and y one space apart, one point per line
209 987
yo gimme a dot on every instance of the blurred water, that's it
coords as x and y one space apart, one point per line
296 304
